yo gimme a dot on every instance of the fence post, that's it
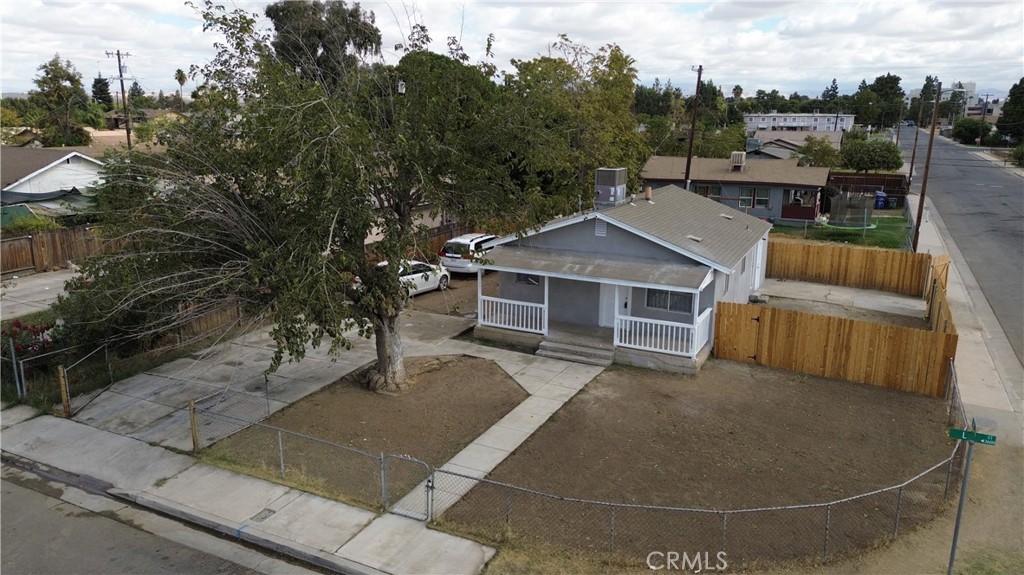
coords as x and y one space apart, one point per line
14 368
430 495
899 502
611 541
21 375
508 506
280 452
949 472
65 395
110 368
725 521
828 524
192 425
384 481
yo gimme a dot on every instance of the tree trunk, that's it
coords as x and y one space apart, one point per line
389 376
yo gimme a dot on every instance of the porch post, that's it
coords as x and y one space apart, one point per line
694 306
547 284
479 294
615 318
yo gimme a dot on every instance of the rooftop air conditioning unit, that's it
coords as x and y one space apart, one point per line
610 187
737 161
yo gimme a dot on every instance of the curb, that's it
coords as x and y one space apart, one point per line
248 533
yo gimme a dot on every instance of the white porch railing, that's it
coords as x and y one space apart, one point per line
663 336
511 314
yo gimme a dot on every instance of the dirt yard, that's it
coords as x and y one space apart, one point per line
450 401
735 436
849 312
460 297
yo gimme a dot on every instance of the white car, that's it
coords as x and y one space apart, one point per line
459 254
422 277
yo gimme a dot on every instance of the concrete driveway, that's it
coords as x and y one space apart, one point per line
26 294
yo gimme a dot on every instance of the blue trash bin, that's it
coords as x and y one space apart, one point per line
881 201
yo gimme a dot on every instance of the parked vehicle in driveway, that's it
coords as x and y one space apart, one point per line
459 254
418 277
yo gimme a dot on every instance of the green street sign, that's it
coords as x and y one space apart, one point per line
972 436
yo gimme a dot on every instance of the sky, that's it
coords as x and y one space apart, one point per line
788 46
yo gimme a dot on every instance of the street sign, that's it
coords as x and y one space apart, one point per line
972 436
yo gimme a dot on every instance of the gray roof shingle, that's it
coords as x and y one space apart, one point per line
676 216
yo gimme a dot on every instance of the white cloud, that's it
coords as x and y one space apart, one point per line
790 46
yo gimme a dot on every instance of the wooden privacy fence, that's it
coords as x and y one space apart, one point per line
853 266
896 357
44 251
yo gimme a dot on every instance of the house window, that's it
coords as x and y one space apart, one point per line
669 300
754 197
528 279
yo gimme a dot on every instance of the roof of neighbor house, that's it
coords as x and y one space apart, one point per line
771 152
782 172
18 163
797 138
714 234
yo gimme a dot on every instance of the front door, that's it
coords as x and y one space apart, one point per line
612 297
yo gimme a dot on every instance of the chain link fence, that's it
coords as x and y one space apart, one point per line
499 512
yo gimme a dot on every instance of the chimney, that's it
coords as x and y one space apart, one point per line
648 193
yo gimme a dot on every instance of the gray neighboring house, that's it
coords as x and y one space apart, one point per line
779 191
639 279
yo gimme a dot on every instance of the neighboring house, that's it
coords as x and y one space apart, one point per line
779 191
642 278
814 122
791 140
20 136
47 181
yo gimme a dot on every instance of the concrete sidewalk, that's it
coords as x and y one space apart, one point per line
129 424
34 292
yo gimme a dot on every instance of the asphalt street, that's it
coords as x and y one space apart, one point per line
982 207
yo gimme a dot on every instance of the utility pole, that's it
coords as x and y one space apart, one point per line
917 132
693 126
927 165
124 96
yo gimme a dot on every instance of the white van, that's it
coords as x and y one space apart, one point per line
459 254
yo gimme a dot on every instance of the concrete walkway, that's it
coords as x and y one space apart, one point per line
29 293
120 439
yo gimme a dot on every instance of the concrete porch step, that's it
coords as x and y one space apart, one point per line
576 353
574 358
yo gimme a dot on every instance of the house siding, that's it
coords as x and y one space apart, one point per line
574 301
508 288
72 173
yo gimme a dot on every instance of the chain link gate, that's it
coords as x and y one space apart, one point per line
407 486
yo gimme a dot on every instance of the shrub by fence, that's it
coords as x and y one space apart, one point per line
853 266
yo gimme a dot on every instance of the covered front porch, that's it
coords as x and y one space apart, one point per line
643 306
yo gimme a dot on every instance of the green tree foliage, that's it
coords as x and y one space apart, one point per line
830 95
101 93
819 152
768 101
268 200
871 155
574 111
138 99
967 130
10 118
180 78
62 101
323 40
890 99
1011 122
655 100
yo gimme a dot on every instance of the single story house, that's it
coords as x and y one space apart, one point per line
46 181
640 279
779 191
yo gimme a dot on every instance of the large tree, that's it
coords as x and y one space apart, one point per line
1011 121
60 97
101 93
818 152
871 155
269 190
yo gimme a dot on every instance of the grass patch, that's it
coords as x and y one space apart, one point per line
295 477
990 562
889 232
